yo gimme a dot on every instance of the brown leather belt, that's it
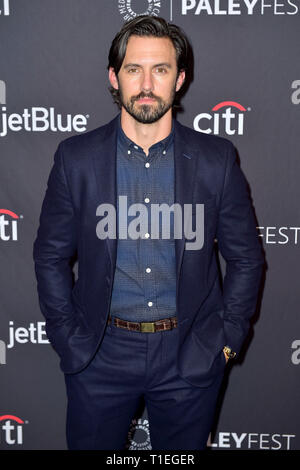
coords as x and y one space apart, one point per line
145 327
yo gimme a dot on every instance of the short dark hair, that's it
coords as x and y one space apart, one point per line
147 25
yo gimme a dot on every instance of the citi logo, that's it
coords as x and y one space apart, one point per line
38 119
227 116
4 7
9 225
11 429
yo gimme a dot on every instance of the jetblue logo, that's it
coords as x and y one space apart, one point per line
37 118
35 333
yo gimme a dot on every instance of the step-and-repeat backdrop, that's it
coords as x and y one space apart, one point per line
245 87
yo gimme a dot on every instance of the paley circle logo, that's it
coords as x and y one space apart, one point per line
9 225
4 7
38 119
139 435
227 116
11 429
146 7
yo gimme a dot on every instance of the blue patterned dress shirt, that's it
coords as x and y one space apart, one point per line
144 287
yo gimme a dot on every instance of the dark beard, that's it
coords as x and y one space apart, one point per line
147 113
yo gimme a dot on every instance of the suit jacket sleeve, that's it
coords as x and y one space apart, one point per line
240 247
55 244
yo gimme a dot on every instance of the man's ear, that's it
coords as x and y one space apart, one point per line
113 78
180 80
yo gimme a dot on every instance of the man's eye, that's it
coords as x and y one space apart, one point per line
133 70
161 70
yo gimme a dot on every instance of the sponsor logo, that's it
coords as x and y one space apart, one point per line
280 235
139 435
4 7
146 7
166 222
9 225
227 116
239 7
35 333
38 119
11 429
295 357
253 440
2 352
2 92
295 96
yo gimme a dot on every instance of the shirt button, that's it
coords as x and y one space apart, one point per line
150 304
148 270
164 152
147 235
147 165
147 199
129 152
135 147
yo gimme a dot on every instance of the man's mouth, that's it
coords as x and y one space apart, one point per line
146 100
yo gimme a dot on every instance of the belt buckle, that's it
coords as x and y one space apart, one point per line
147 327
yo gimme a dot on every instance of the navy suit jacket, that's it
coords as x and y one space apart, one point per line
209 317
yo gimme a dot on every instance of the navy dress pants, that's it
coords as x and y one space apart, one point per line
128 367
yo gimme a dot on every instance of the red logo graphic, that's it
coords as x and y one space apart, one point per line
14 418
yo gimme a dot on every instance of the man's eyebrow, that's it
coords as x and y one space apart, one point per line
166 64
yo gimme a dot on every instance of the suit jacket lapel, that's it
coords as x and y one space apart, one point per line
104 159
185 170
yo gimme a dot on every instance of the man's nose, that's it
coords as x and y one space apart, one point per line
147 83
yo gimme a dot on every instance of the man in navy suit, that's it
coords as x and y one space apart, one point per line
147 318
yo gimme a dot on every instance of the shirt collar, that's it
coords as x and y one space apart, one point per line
161 146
